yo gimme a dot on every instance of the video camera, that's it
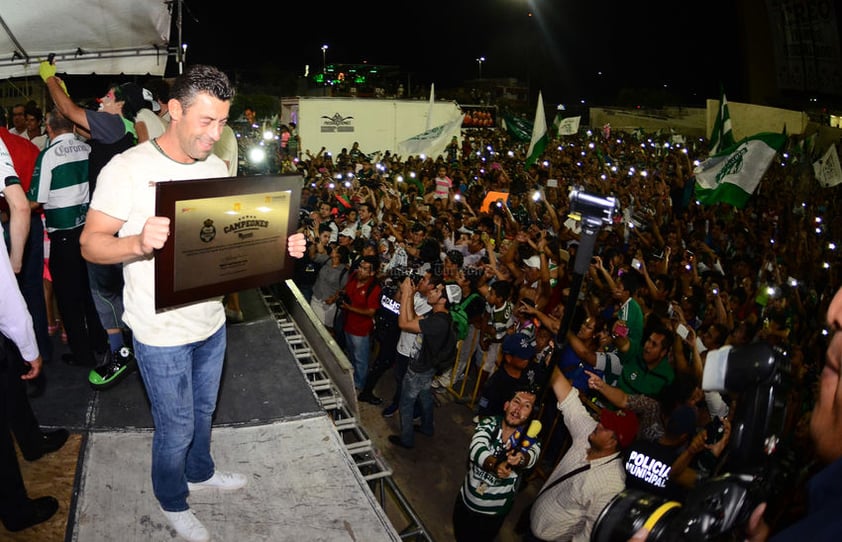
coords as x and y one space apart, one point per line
753 468
593 209
304 218
397 275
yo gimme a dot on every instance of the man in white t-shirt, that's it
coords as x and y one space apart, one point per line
183 348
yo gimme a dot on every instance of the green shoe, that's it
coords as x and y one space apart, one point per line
118 364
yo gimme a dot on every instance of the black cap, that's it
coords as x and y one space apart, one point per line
456 257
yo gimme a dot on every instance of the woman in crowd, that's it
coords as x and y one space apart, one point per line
331 281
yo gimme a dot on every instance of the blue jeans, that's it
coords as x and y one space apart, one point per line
401 364
182 383
358 350
106 282
416 386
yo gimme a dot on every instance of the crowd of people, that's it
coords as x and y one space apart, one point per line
403 251
669 281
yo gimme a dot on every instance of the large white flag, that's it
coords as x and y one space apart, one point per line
732 177
539 134
569 126
432 142
827 168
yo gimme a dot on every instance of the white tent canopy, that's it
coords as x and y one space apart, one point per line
87 36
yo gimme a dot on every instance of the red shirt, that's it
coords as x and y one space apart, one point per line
357 324
24 154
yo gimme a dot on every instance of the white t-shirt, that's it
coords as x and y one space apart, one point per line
409 343
154 125
126 190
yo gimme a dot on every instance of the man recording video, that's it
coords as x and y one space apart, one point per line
823 520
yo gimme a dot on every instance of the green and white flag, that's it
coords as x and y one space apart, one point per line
721 137
432 142
539 135
732 176
827 169
568 126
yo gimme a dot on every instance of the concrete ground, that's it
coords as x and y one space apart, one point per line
268 424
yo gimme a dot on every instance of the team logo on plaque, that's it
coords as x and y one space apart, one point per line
208 231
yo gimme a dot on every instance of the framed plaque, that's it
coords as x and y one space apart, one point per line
226 235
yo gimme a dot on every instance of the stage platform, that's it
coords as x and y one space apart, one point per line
304 483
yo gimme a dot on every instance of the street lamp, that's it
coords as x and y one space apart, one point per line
324 69
480 60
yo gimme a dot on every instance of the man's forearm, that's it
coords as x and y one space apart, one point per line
18 232
561 386
105 249
407 311
18 224
615 396
65 105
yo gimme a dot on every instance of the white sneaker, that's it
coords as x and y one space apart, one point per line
224 481
187 525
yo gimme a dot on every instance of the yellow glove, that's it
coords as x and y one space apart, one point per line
46 70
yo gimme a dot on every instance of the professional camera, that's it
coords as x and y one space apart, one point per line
397 274
592 212
342 298
592 208
304 218
753 469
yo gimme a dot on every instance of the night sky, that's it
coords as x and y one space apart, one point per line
568 49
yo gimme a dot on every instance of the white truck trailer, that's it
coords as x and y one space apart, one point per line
378 125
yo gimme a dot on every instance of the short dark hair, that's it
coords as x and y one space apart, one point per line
160 89
502 288
58 122
201 78
630 281
666 332
456 257
430 251
35 111
525 387
344 253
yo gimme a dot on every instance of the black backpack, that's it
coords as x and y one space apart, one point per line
442 358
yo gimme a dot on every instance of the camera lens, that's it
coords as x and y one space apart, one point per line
629 511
